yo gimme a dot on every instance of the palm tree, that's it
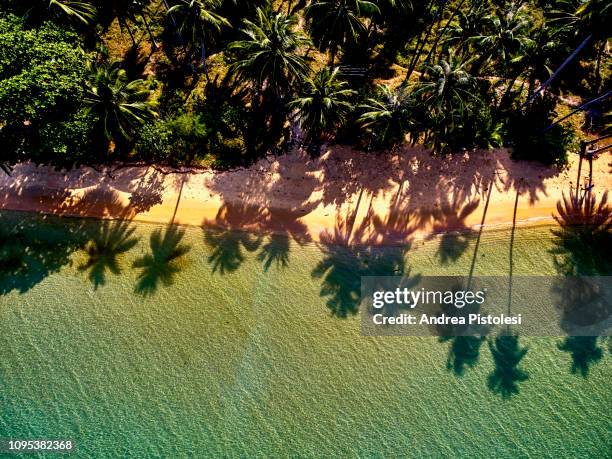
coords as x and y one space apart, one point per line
333 23
194 18
119 104
323 103
446 86
138 7
387 116
83 11
589 18
506 32
270 55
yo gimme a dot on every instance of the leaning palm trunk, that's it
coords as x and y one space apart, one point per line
146 23
556 73
441 34
203 58
417 56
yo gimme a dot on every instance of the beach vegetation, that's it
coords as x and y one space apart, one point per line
218 83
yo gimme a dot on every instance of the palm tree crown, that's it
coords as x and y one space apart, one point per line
335 22
84 12
120 104
323 103
195 17
271 53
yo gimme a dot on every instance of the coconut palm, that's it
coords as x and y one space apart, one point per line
270 55
323 103
333 23
137 8
505 33
387 116
82 11
195 17
585 18
446 87
119 104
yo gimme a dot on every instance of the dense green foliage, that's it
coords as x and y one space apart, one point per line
42 75
95 81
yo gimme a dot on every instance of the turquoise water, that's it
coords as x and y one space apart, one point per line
206 343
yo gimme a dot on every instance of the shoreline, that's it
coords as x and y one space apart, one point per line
344 197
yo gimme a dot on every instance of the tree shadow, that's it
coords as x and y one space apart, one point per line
283 227
275 251
584 351
584 237
230 235
450 220
582 247
464 340
148 192
372 248
32 248
112 240
463 352
164 261
507 355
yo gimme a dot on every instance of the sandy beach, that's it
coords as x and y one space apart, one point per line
345 196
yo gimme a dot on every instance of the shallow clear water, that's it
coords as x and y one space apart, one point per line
220 353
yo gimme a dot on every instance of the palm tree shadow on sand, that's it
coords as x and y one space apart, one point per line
582 247
112 239
163 263
376 247
450 220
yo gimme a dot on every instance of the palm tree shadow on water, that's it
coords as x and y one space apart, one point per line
32 248
376 247
164 262
505 349
226 240
464 351
275 251
582 246
507 355
111 240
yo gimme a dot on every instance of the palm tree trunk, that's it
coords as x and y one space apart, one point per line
333 56
598 67
127 26
504 100
417 56
435 44
561 67
146 23
582 150
203 58
590 155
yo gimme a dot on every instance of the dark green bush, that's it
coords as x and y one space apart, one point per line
530 137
